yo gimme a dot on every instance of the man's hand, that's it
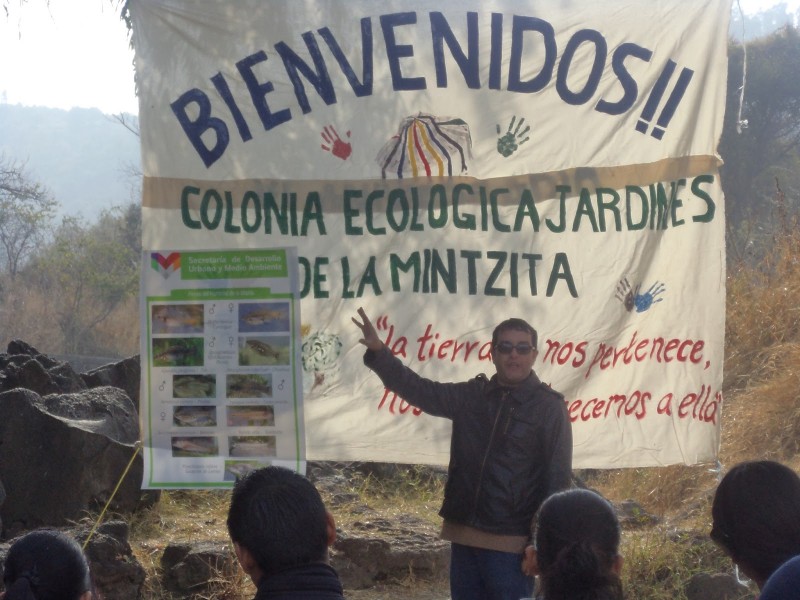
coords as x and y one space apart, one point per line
370 339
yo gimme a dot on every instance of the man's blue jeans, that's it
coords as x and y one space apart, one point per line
478 574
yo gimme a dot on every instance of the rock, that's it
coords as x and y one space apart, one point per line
631 514
194 569
334 486
718 586
18 348
123 374
30 375
104 410
24 366
63 455
379 550
376 549
67 380
117 574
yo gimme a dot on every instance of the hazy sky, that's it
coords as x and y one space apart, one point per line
77 53
70 53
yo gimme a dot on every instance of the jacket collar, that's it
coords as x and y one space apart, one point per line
317 580
529 384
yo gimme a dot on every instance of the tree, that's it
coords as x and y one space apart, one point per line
90 270
26 211
760 24
765 149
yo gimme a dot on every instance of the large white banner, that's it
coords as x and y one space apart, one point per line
450 164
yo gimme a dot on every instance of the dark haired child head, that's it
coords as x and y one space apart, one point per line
46 565
575 549
277 520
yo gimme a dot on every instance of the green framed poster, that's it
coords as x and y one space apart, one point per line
221 389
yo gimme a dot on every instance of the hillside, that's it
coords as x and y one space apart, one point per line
84 157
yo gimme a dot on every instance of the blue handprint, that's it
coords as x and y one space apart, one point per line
645 301
631 298
508 143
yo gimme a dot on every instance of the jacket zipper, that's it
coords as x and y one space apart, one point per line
486 455
508 420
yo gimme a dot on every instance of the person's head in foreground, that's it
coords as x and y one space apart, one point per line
277 521
756 517
575 549
46 565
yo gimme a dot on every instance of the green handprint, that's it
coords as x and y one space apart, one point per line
508 143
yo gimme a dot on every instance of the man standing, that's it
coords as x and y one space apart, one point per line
281 533
511 447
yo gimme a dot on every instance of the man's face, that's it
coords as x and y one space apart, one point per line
513 367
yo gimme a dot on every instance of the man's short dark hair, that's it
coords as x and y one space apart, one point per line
279 517
517 325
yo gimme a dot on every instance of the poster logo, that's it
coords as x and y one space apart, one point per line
165 265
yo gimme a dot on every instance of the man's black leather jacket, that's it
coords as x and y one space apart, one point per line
510 447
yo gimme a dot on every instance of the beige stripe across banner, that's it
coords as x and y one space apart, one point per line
169 193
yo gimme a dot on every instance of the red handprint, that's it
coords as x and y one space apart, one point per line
335 145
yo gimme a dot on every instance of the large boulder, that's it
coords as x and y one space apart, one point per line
104 410
376 549
63 454
123 374
197 569
116 572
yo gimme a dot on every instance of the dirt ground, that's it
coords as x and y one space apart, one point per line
419 590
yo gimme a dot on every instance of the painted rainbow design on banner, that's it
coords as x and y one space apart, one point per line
165 265
426 146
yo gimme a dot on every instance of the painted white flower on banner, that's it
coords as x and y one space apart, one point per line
320 353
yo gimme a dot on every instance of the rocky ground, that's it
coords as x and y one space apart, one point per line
386 546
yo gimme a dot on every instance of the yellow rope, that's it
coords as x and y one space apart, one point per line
114 493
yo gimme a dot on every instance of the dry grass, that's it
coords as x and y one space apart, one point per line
763 314
664 492
123 330
27 315
184 515
410 490
659 562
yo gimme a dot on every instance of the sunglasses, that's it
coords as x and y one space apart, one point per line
507 347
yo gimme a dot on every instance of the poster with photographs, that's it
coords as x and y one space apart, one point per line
221 370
